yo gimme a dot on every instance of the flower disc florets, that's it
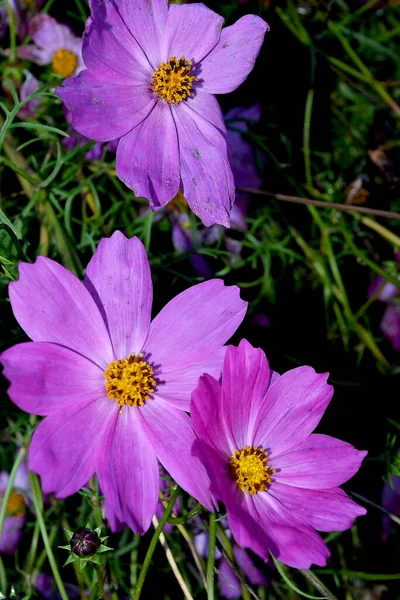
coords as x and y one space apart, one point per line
248 467
64 62
15 505
130 381
172 81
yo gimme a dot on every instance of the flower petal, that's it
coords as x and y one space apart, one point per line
192 31
47 32
194 325
11 534
292 408
230 62
45 377
128 472
178 386
119 280
52 305
148 159
319 462
206 176
206 106
172 437
325 510
245 380
104 111
229 584
147 22
66 445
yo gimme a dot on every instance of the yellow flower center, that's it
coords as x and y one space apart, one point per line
130 381
64 62
248 467
172 81
15 505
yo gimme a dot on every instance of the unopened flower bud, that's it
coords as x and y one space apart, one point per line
84 543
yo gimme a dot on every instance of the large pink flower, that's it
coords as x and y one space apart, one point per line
277 479
152 70
114 387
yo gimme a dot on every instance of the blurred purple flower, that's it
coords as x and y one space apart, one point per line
152 72
46 587
30 85
54 44
277 479
114 386
16 509
390 501
390 294
23 11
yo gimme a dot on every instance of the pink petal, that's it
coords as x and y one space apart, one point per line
147 22
194 325
206 176
171 434
178 386
319 462
52 305
40 56
11 534
148 159
206 106
110 50
291 410
104 111
119 280
47 32
65 447
245 380
192 31
128 472
298 545
208 419
45 377
229 584
325 510
230 62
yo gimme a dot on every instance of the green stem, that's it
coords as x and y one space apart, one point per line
12 28
10 484
229 551
153 544
306 139
3 579
211 557
186 518
38 504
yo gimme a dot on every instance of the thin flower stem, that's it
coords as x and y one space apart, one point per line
385 233
229 551
10 483
12 28
394 518
3 578
322 203
194 552
38 504
186 518
211 557
317 583
153 544
172 562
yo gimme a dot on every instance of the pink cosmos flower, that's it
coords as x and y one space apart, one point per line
152 70
55 44
113 386
277 480
16 509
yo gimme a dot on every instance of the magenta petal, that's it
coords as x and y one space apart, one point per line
229 584
292 408
147 22
148 159
319 462
52 305
228 65
298 545
110 50
254 575
192 31
171 434
45 377
119 280
104 111
128 471
11 534
206 175
194 325
65 447
179 385
245 381
206 106
325 510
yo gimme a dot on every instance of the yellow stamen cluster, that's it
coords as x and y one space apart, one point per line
15 505
248 467
64 62
130 381
172 81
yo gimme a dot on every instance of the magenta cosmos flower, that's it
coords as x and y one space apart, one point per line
277 480
152 70
54 44
113 386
